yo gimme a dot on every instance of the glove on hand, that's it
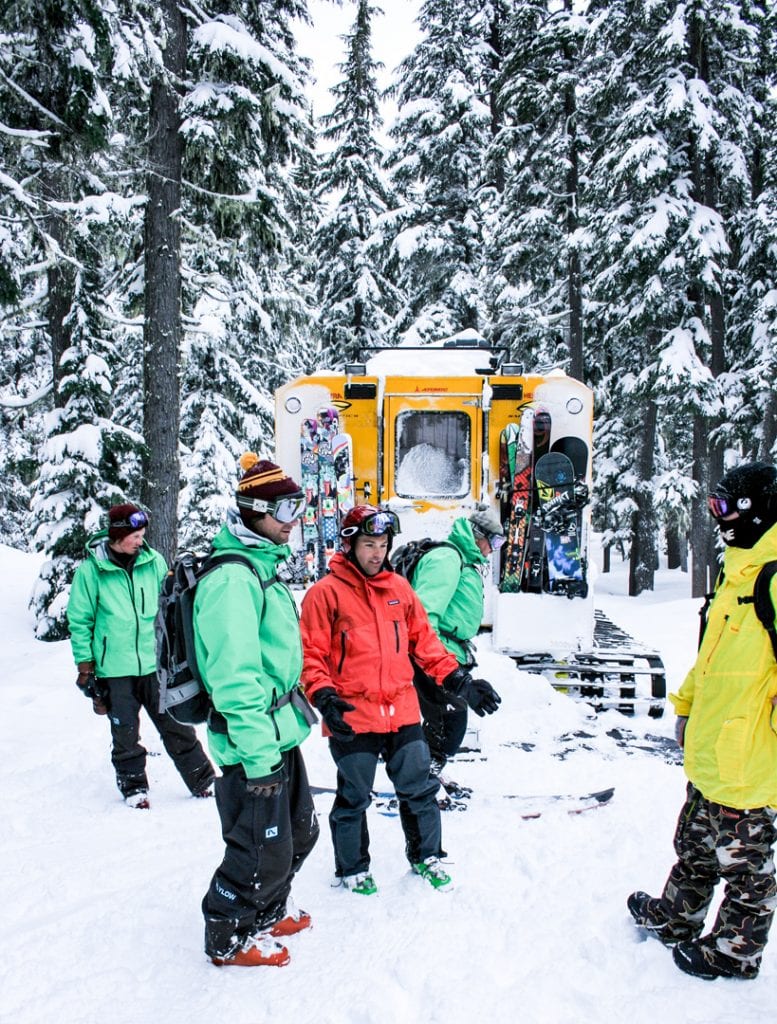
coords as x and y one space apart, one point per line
478 693
679 729
332 709
267 785
85 680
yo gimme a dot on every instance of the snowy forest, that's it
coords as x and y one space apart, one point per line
590 185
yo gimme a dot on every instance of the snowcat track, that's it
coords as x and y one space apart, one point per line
608 675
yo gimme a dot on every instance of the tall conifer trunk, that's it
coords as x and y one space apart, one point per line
162 327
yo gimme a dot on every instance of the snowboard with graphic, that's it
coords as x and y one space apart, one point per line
309 483
328 429
558 517
535 540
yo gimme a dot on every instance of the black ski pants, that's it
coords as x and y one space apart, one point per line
407 765
444 724
126 696
267 839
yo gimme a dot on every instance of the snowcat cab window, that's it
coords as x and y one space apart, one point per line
432 454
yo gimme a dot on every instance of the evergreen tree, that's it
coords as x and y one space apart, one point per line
355 298
441 133
537 237
668 108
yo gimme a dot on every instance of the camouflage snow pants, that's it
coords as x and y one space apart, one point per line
713 842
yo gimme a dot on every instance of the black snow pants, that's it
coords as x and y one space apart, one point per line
127 694
267 840
407 765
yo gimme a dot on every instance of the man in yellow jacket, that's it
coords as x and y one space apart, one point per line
727 725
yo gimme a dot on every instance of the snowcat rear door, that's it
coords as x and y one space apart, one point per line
433 445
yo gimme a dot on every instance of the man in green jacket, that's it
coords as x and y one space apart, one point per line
727 726
111 610
249 653
449 582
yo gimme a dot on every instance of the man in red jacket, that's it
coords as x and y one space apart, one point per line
360 624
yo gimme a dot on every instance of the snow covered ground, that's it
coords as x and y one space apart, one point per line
101 904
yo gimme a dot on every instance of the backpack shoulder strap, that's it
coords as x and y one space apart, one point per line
213 561
762 600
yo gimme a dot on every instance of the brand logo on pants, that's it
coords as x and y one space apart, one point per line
271 833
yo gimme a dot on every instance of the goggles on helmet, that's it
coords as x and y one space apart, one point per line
134 521
721 505
495 540
285 510
374 525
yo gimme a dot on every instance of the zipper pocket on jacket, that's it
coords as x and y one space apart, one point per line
396 634
272 714
343 642
105 650
717 640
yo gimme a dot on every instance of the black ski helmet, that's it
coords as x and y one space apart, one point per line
749 491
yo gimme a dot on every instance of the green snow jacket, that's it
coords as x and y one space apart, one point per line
730 742
450 587
111 610
249 653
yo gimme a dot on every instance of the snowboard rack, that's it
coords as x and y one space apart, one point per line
613 674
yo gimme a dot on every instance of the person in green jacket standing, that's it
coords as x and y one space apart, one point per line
727 726
448 579
111 611
249 652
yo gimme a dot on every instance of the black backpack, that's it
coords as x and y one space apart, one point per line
181 693
406 558
761 600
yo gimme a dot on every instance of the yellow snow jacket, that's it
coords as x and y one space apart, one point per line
731 734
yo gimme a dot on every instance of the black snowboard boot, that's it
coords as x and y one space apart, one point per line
648 914
703 960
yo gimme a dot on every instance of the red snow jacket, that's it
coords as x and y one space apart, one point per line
357 635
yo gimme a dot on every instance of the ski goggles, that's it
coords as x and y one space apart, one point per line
134 521
285 510
721 505
495 540
374 525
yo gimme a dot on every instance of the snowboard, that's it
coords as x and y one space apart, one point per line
309 482
535 540
558 517
519 443
328 429
531 807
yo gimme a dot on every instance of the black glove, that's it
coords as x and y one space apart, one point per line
332 709
267 785
97 692
478 693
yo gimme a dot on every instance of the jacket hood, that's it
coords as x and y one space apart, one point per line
97 548
462 538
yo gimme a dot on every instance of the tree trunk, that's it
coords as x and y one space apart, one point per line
60 277
643 559
162 327
574 270
675 547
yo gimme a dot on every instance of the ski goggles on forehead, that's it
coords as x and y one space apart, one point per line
285 510
134 521
374 526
